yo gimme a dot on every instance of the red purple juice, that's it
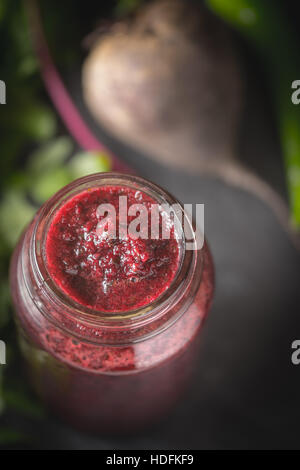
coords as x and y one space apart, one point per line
108 273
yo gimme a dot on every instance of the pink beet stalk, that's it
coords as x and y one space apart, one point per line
60 96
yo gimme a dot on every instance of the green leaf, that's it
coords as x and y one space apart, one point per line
19 180
48 183
10 147
124 7
87 163
26 118
21 402
51 155
38 122
15 213
20 32
28 66
2 10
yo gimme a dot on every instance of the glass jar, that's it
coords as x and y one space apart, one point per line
106 372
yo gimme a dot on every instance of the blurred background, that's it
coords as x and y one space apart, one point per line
195 96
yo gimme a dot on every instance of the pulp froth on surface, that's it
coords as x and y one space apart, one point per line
106 273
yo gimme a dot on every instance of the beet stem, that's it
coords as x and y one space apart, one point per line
59 94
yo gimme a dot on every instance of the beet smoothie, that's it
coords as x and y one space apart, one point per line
108 326
108 273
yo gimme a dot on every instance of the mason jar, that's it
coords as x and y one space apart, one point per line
111 370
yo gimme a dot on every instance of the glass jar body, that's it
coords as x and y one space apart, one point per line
107 388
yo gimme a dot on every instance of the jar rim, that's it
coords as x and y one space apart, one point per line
86 317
